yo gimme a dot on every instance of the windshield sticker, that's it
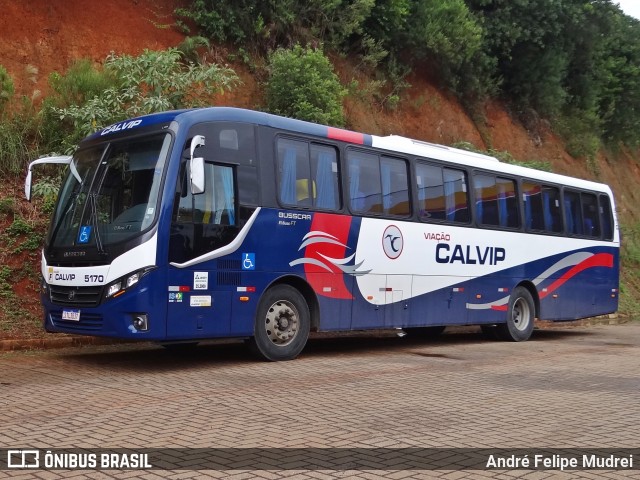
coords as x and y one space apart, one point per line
85 234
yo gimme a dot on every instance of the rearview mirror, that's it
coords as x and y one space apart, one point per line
65 160
197 175
197 166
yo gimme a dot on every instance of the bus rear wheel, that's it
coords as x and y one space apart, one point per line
282 324
520 317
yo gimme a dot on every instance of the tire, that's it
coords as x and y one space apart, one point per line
520 317
425 332
282 324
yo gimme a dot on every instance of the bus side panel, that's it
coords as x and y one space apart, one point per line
443 306
570 285
335 314
197 308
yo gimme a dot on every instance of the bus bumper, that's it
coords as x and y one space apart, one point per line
134 315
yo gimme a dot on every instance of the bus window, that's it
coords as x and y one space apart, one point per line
455 196
590 215
431 199
607 217
293 173
324 171
395 186
507 203
496 201
365 189
541 207
308 175
573 213
217 204
551 209
533 210
486 200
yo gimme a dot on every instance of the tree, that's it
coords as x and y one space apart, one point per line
303 85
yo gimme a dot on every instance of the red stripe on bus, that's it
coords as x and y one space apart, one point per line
598 260
345 135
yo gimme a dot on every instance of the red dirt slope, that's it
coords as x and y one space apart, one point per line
49 35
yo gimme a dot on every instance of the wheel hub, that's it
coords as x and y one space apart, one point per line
282 322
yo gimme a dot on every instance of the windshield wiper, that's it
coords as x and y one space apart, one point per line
94 215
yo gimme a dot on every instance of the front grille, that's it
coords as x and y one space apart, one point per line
75 296
88 322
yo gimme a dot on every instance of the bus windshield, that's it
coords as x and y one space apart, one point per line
110 193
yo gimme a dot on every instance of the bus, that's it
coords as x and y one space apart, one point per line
196 224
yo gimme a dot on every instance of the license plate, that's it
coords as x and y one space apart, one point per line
73 315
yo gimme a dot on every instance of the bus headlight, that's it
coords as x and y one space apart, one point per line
132 280
113 289
121 285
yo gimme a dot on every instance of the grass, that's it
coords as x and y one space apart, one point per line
630 270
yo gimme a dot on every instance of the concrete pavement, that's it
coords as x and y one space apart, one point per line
569 387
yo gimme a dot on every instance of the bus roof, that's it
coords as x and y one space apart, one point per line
390 143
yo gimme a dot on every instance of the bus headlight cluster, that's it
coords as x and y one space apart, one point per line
121 285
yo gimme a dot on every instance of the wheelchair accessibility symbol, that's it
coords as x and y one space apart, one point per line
85 234
248 261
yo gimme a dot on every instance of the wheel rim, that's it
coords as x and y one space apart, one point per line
282 322
521 314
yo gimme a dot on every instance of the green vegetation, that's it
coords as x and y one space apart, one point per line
302 85
132 86
630 273
575 61
573 64
6 88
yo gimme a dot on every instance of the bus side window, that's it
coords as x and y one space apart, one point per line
365 189
551 209
456 196
293 173
486 200
533 210
216 205
431 199
324 172
591 215
395 186
607 217
308 175
573 213
507 203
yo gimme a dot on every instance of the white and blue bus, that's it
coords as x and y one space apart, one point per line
223 222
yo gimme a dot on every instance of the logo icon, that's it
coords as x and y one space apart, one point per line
392 242
71 295
85 234
23 458
248 261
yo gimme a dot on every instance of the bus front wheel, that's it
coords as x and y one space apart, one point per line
282 324
520 317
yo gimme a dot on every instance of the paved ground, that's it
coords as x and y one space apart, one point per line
569 387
